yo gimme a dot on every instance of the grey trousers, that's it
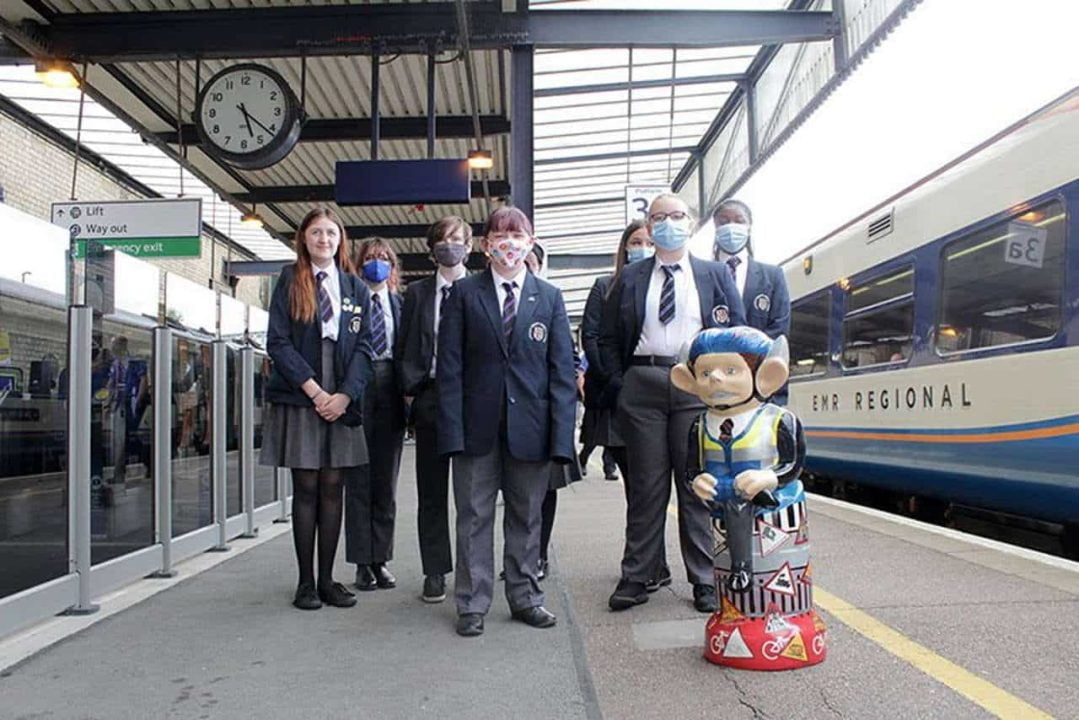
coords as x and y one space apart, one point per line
654 418
476 482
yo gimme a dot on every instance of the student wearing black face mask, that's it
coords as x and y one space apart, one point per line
371 491
450 242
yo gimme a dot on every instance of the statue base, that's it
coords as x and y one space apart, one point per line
772 642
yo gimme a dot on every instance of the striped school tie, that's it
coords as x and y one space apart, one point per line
733 263
378 327
666 296
509 310
442 301
325 307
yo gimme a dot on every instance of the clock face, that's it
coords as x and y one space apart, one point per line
248 116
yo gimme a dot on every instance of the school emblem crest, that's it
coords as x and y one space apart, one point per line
721 315
354 324
538 332
762 302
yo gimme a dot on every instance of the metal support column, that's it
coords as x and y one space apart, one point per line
162 448
521 137
839 40
281 476
219 449
376 116
702 192
750 90
80 320
247 438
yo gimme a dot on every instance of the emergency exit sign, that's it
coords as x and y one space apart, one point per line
141 228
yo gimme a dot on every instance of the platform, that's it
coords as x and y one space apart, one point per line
922 623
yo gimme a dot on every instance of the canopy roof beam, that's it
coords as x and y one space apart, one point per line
360 129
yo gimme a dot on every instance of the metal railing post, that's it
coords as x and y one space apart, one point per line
247 438
80 325
219 451
162 452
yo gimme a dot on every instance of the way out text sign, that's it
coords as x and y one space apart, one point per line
143 228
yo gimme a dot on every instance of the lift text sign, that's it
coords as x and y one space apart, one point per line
144 228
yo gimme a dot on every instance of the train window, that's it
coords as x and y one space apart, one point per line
1002 285
809 335
879 325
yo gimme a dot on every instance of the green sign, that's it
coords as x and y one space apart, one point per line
146 247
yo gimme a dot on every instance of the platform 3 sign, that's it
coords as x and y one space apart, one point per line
142 228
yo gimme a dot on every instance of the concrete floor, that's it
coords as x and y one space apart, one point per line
226 643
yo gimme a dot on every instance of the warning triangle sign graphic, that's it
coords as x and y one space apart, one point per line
772 538
782 582
728 612
776 624
736 646
818 624
796 649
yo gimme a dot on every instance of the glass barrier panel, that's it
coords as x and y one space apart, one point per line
258 323
139 288
33 436
233 393
265 482
37 252
190 305
233 319
192 494
121 436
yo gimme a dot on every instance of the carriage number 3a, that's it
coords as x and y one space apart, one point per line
1025 244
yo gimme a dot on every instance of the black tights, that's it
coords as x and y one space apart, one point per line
316 503
550 503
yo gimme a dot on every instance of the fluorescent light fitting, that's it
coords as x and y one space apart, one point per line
480 160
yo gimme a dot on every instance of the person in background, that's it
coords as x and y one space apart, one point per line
597 429
319 341
655 307
371 490
506 408
762 287
449 241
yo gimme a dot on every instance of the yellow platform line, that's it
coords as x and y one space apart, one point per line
978 690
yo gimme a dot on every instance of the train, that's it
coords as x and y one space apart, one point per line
935 338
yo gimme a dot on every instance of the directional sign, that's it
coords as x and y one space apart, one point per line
639 197
143 228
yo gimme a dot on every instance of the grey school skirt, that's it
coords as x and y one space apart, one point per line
294 436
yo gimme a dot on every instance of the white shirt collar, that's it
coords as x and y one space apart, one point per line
331 271
742 255
519 278
441 282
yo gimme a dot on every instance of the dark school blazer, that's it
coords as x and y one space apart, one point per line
414 344
766 299
397 412
591 320
481 379
296 347
623 313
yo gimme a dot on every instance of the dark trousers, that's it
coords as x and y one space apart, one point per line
432 485
371 490
654 419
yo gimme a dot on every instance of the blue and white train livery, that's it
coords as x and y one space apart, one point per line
935 339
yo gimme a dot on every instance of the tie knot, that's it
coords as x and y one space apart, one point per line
734 262
671 269
321 275
445 292
374 299
509 287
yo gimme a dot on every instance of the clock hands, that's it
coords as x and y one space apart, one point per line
247 118
261 125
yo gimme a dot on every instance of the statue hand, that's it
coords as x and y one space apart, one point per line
704 486
750 482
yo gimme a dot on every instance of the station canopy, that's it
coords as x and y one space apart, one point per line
575 100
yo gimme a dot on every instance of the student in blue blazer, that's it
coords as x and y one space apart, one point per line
507 400
658 305
318 339
371 490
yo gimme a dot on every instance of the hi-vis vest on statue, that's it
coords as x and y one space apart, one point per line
754 449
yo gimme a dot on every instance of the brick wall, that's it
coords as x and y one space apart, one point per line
35 172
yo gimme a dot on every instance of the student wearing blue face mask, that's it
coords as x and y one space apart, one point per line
371 490
762 287
656 306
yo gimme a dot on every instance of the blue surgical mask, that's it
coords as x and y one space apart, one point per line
376 271
732 237
671 234
640 252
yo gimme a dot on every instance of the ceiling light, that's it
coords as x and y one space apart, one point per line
481 160
252 219
56 74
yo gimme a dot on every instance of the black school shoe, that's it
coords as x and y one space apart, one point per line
627 594
383 577
336 595
704 598
434 589
366 579
306 597
537 617
470 625
662 580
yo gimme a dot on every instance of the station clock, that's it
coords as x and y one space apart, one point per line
247 116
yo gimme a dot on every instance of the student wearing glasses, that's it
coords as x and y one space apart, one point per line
656 306
507 401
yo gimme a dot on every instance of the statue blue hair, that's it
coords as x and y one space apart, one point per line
741 339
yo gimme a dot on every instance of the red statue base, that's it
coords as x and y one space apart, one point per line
772 642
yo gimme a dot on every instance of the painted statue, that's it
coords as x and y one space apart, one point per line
745 455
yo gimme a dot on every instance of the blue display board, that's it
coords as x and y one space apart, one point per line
401 182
